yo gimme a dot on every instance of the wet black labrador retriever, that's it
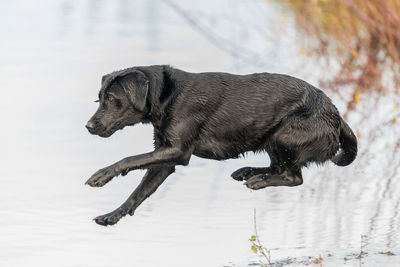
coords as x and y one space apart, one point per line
218 116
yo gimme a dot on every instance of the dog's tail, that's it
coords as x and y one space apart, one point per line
348 146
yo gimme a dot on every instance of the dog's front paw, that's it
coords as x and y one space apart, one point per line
114 216
103 176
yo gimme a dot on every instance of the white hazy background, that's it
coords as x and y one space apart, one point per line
52 57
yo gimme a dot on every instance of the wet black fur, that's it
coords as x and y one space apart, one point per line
218 116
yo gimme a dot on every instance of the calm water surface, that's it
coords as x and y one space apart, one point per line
52 56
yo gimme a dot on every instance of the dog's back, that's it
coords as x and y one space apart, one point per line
240 113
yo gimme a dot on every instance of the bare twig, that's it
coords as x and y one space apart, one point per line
362 245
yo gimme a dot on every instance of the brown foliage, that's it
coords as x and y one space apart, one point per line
363 36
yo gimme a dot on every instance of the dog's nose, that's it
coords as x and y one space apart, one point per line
90 125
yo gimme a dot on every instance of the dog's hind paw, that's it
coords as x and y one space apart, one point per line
113 217
257 182
102 176
263 180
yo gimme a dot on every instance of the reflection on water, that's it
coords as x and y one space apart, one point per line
51 59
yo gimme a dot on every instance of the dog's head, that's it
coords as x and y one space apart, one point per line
122 102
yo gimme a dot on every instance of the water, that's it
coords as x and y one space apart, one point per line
52 56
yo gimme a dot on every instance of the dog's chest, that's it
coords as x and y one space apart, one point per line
212 149
221 148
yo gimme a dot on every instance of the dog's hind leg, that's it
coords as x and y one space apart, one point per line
284 170
290 177
153 178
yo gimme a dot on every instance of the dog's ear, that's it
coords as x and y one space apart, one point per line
104 78
136 87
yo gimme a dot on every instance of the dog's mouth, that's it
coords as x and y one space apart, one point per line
107 132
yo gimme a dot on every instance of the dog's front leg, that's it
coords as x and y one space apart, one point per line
159 158
153 178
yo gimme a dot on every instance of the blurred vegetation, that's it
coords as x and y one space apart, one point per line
363 36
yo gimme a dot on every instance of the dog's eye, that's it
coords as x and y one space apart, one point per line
110 99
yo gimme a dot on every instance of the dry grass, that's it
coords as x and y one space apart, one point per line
363 36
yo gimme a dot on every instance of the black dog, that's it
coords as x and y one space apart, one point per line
218 116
